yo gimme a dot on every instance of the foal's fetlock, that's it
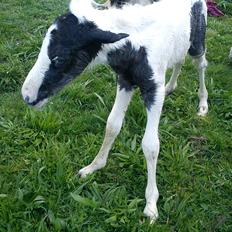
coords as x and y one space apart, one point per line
151 212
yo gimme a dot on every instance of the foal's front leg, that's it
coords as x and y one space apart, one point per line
113 127
151 145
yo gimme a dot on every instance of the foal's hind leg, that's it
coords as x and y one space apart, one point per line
201 64
197 50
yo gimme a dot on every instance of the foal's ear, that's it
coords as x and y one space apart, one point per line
106 37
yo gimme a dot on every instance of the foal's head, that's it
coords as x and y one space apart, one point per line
68 47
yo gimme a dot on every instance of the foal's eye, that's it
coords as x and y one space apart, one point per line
58 61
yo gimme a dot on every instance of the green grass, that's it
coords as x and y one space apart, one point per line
41 152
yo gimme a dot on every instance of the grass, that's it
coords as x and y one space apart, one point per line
41 152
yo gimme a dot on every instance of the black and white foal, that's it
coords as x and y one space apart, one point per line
140 43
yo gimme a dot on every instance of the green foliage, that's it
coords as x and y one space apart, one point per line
226 6
41 152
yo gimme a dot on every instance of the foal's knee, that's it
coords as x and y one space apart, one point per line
113 126
150 146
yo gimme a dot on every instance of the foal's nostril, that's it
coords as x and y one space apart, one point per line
27 99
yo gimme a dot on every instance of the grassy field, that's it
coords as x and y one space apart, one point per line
41 152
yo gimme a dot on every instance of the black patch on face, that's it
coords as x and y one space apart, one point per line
73 45
133 70
198 30
69 51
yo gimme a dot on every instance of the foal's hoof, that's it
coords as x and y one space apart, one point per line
85 171
151 213
203 110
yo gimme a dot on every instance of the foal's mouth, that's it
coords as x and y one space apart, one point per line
38 104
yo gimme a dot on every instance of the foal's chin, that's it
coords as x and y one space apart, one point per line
40 104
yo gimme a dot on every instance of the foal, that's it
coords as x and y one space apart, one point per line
140 43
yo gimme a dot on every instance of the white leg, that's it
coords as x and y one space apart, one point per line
113 127
230 54
172 84
201 64
150 145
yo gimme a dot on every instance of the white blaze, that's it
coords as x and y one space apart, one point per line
36 75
